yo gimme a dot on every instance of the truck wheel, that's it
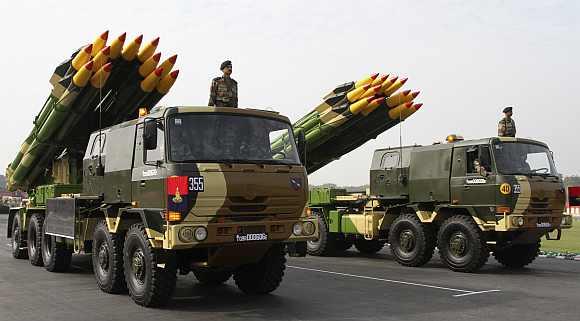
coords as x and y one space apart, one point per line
150 274
56 256
368 246
411 241
262 277
107 260
461 245
212 276
342 243
34 239
518 255
18 243
324 245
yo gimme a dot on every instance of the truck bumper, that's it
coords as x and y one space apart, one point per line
528 222
186 236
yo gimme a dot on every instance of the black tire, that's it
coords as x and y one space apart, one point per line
265 276
56 256
518 255
412 242
341 243
150 273
461 244
212 276
368 246
18 243
34 239
324 245
107 259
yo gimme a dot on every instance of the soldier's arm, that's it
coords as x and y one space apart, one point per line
501 128
235 98
514 124
212 93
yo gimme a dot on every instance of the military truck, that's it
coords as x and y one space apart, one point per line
182 189
467 198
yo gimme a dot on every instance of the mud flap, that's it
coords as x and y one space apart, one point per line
558 235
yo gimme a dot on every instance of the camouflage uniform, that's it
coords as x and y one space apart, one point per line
223 92
506 127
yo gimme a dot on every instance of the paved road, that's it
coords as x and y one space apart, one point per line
352 287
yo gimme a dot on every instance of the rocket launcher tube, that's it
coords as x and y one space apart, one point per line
101 58
100 77
149 65
148 50
162 89
397 112
371 92
167 65
99 43
340 89
365 81
117 46
360 105
373 105
400 98
130 51
151 81
355 94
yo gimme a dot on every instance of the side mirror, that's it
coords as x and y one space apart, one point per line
301 145
150 134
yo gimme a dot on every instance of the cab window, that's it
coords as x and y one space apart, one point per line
478 160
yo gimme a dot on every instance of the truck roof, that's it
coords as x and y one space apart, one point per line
470 142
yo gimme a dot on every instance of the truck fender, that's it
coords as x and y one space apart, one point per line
151 219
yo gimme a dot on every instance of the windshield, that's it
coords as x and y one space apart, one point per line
230 138
524 159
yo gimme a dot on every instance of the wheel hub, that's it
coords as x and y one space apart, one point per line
407 240
138 266
458 244
104 257
16 239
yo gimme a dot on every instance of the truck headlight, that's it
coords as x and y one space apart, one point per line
518 221
186 234
297 229
201 233
308 228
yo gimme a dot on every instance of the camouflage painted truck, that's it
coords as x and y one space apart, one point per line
467 198
183 189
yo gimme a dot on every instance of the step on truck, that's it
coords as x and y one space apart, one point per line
182 189
465 198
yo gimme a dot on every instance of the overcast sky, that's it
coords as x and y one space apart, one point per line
468 58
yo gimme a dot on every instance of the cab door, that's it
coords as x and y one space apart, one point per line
94 159
468 186
148 180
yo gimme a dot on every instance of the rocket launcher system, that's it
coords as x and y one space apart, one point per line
98 86
350 115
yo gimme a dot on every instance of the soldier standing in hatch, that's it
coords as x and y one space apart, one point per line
507 126
224 89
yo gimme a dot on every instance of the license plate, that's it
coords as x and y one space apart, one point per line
251 237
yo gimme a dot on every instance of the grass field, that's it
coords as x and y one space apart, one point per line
570 241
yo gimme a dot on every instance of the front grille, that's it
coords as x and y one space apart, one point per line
253 229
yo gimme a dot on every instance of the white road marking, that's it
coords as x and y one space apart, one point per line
463 292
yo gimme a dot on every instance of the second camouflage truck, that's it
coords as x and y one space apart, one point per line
467 198
183 189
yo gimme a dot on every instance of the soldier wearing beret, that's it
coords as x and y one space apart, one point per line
507 126
224 89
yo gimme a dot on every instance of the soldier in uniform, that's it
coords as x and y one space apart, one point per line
224 89
507 126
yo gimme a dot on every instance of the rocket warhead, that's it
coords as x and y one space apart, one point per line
82 57
167 82
148 50
117 46
355 94
167 65
101 58
99 43
374 104
100 77
81 78
410 110
379 80
151 81
371 92
365 81
394 87
388 83
396 112
400 98
360 105
149 65
130 51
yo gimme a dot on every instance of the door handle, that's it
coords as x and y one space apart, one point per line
466 187
142 184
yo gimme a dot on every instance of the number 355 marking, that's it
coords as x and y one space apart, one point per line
195 184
